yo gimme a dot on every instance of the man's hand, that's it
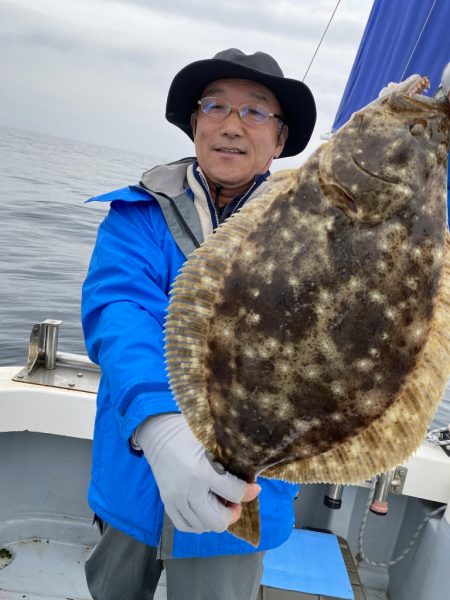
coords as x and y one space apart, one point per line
197 496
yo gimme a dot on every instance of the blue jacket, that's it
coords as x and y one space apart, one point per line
125 297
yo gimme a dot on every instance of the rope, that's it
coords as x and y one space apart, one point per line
321 39
418 40
362 557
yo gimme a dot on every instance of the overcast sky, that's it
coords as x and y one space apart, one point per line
99 70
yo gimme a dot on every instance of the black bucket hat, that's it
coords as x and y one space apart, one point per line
295 98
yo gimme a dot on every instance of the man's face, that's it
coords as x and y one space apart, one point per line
231 152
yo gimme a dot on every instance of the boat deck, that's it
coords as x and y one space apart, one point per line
49 570
46 524
44 569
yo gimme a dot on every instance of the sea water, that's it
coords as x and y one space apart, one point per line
48 232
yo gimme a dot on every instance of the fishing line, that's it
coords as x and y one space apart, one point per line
418 40
321 40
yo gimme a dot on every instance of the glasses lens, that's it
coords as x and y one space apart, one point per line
254 113
215 107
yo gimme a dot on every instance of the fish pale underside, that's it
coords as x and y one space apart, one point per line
308 339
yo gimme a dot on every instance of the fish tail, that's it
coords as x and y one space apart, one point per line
248 527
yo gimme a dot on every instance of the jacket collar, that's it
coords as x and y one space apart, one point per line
170 178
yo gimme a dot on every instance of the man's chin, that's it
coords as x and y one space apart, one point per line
229 179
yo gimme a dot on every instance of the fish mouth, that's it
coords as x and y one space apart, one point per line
415 85
343 199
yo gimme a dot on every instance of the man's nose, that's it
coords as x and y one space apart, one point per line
233 122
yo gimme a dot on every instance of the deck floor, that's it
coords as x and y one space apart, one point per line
49 570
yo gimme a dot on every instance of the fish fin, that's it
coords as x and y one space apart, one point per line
192 303
391 439
248 527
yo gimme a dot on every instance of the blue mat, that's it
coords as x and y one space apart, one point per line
310 562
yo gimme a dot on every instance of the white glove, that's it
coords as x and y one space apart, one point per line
445 81
192 490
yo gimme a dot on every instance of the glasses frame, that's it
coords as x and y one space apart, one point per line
270 115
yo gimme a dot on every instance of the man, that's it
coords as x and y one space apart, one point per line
158 499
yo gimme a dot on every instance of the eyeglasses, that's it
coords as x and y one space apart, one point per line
251 114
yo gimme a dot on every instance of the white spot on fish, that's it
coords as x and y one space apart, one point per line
252 318
376 296
263 352
288 350
411 283
354 283
390 313
438 253
240 392
365 365
283 411
295 249
417 333
337 417
265 402
302 426
336 388
325 296
249 253
311 372
272 343
249 352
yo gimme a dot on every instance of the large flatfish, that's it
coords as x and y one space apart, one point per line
308 338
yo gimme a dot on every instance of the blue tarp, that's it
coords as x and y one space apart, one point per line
402 37
310 562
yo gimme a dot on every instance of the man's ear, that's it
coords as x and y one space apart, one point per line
193 123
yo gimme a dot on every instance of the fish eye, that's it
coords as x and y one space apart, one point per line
418 128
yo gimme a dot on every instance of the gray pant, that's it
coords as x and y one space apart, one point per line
121 568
